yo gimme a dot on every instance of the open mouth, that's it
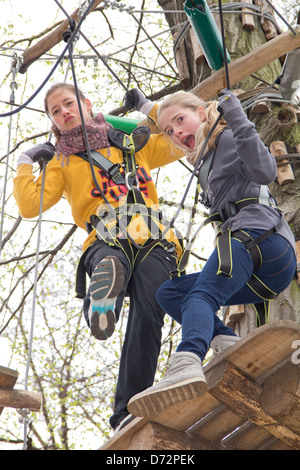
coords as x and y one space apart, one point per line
189 141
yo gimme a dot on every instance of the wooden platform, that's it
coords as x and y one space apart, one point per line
252 402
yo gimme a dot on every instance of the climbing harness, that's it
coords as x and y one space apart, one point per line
112 225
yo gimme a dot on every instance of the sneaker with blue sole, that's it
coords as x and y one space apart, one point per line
106 283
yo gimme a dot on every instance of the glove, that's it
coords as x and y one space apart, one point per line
227 102
41 151
135 99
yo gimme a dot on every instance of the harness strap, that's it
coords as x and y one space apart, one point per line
224 254
225 259
99 160
224 250
260 288
262 312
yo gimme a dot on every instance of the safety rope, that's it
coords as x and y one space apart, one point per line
15 64
24 412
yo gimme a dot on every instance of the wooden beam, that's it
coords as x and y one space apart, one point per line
154 436
20 399
252 437
48 42
242 394
248 18
268 26
285 172
280 396
8 378
250 63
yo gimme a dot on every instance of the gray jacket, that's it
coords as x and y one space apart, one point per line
242 166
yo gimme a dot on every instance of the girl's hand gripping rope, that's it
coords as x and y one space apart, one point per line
230 107
135 99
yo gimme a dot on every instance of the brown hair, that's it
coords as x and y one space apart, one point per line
189 100
57 86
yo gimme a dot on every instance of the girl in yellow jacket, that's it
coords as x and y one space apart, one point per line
112 273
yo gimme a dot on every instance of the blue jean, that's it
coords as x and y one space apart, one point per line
193 300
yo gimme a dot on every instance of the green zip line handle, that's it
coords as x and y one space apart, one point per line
207 32
124 124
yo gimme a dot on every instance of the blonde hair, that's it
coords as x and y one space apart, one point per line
189 100
57 86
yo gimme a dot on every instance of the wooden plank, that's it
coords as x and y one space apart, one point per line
153 436
8 377
262 350
179 418
274 444
250 63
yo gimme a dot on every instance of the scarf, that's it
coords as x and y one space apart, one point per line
72 142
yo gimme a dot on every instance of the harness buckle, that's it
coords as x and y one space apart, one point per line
230 210
203 199
128 185
170 247
114 170
175 274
